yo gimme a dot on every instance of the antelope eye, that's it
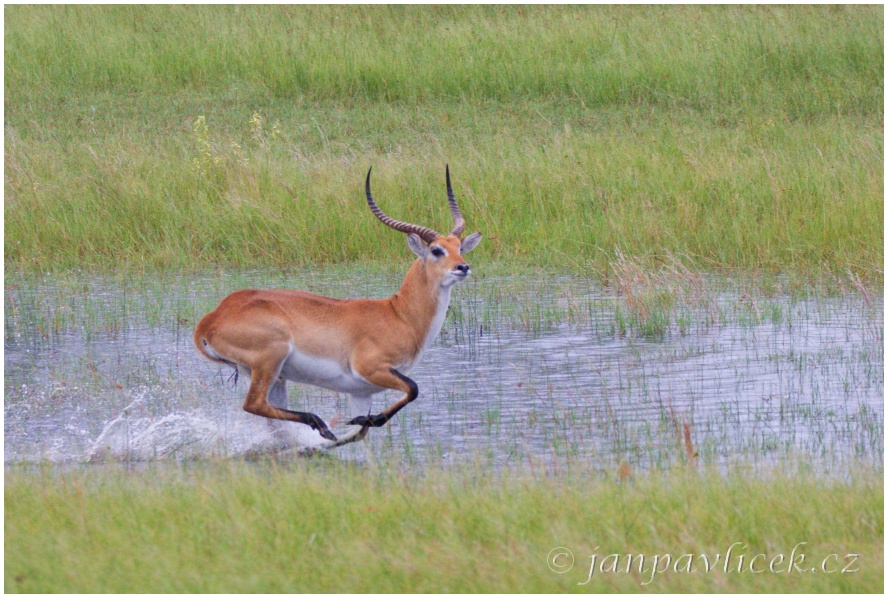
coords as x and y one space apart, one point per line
437 252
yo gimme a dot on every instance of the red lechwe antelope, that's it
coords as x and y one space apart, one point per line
355 346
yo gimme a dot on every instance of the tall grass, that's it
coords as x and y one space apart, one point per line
328 527
183 137
807 61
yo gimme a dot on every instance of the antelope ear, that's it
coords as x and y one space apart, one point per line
470 242
417 245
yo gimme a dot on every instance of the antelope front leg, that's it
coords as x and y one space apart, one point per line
395 380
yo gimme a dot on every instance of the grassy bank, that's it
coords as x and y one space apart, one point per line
188 137
329 527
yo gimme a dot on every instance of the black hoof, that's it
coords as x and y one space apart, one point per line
318 424
372 421
327 434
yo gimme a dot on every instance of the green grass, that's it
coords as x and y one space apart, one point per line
145 138
328 527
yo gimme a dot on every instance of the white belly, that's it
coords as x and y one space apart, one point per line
326 373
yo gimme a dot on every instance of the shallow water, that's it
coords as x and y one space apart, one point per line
525 371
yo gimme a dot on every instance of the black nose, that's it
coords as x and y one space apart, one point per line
464 268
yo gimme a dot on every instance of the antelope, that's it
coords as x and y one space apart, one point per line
359 347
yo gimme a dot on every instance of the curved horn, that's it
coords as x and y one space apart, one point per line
426 234
458 220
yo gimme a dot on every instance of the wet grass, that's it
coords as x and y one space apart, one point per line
321 526
637 298
172 139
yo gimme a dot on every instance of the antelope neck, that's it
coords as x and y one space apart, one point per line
422 302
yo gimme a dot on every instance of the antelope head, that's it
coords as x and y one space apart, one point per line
441 255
